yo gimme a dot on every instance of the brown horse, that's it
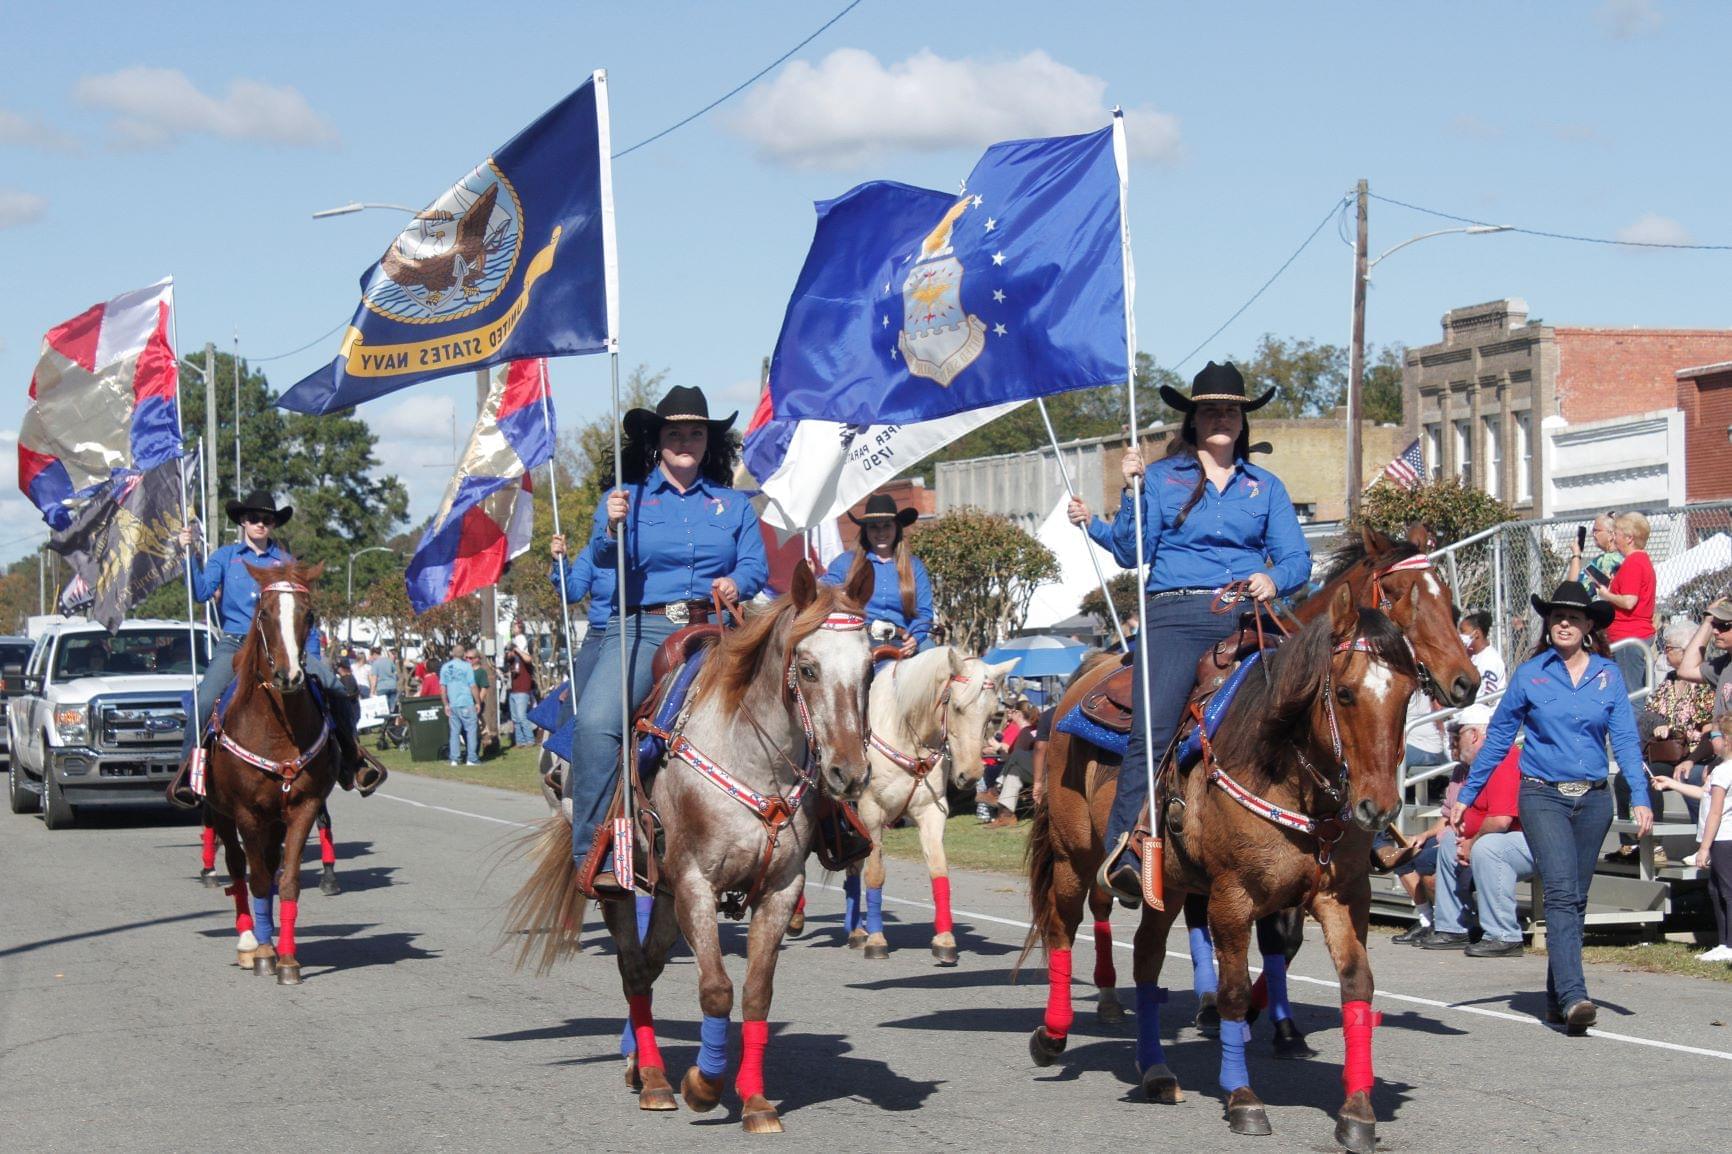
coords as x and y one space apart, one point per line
272 767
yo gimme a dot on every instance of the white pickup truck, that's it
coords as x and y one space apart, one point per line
100 718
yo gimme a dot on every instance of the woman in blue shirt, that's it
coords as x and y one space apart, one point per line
901 590
1570 698
1210 517
688 536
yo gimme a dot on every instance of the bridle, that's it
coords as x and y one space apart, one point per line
285 770
294 588
921 764
1419 563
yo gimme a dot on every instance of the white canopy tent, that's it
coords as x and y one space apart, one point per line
1058 600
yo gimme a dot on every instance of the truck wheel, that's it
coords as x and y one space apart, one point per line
57 812
22 798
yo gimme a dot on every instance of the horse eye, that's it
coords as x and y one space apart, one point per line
808 671
1344 695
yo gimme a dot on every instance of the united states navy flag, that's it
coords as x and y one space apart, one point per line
515 261
915 304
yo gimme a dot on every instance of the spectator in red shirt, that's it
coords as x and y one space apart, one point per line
1632 596
1484 847
430 676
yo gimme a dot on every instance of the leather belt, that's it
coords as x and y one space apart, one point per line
1194 591
1567 788
681 612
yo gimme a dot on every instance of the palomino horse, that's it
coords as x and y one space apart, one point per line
922 709
777 712
273 766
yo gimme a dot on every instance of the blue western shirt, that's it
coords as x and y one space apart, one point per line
580 579
1247 528
677 543
226 572
886 601
457 679
1567 725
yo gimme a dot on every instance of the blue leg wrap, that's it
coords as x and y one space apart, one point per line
627 1039
1234 1075
264 923
850 903
1203 961
875 911
1149 999
1275 975
713 1046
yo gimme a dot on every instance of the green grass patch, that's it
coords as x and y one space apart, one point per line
967 844
1659 958
513 769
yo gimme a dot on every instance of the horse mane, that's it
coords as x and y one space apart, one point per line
739 655
1353 551
252 652
1273 713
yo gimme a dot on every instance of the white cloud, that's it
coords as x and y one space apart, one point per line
18 208
9 462
1630 19
33 132
154 107
1473 128
849 108
415 446
1651 228
424 419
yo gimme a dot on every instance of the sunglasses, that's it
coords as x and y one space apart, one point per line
1722 626
257 519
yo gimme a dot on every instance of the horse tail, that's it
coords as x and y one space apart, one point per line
1040 858
547 911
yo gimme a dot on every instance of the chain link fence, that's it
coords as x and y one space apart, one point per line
1497 570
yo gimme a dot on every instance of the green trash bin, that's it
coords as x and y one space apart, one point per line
425 717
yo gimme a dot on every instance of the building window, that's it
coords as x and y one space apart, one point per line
1464 451
1305 510
1493 455
1524 457
1433 447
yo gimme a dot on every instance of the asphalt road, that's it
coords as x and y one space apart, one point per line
124 1025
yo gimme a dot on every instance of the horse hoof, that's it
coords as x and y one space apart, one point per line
1208 1020
1161 1086
656 1094
945 955
328 883
1290 1043
757 1116
209 878
797 924
856 938
288 973
879 950
700 1093
631 1079
1245 1114
264 967
1356 1135
1044 1048
1109 1011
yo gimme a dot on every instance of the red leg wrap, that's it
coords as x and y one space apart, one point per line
1357 1021
1106 977
800 906
643 1026
286 913
1059 1015
207 845
243 911
327 847
1260 992
941 923
754 1040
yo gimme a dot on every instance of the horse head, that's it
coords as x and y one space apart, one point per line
282 619
975 701
828 666
1361 712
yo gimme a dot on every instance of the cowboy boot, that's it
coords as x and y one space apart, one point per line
180 792
356 768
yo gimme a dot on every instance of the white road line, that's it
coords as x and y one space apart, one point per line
1502 1015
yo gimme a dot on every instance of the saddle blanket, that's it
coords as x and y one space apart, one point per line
650 748
207 731
1078 724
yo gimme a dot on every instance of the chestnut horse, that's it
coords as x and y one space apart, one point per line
271 769
777 712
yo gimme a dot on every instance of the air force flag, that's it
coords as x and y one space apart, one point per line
515 261
915 304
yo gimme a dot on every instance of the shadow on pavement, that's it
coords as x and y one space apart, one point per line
334 955
124 928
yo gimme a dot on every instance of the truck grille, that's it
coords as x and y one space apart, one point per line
139 726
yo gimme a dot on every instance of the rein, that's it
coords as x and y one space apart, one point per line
285 770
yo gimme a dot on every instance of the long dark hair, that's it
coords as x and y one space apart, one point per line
904 567
1185 445
638 458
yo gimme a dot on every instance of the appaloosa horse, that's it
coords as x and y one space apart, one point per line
273 765
923 710
777 713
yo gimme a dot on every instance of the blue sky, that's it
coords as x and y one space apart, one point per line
197 139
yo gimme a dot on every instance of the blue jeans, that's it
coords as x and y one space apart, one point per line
218 676
1181 630
596 744
522 732
1497 862
1565 835
463 722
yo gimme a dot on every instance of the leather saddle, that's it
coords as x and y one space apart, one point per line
1111 704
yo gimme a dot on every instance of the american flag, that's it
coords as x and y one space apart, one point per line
1406 469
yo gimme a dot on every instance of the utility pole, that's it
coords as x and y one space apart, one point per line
238 496
490 594
1356 363
210 427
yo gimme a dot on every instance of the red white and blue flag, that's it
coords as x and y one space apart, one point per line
487 514
102 401
1406 470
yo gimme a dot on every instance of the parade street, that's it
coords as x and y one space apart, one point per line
124 1024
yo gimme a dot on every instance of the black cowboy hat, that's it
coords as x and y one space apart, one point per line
882 507
1215 383
259 501
1571 595
682 403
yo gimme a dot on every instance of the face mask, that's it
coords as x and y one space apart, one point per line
1465 640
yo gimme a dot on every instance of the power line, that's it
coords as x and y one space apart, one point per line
1327 217
1553 235
303 348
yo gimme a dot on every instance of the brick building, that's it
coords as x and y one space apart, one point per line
1705 397
1554 418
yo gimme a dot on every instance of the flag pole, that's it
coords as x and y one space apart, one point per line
1100 576
180 470
553 496
1121 156
621 607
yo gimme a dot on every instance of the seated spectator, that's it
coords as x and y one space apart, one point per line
1483 849
994 753
1675 719
1714 836
1018 766
1416 874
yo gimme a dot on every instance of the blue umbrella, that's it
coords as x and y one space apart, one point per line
1039 656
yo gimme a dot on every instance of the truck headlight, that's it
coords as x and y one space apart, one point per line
72 723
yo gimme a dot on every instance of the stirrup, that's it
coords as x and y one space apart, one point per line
1117 877
370 775
596 876
180 792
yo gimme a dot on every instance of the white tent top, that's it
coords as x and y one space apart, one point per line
1058 600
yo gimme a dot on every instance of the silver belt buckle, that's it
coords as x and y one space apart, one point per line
678 612
1573 788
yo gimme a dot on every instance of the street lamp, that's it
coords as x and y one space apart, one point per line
357 206
350 640
1356 356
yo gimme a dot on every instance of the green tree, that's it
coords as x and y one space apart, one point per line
1380 397
1309 379
1451 509
984 570
1126 598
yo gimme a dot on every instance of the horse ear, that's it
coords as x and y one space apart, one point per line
859 588
1374 542
804 589
1413 597
1419 535
314 572
1343 614
958 663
